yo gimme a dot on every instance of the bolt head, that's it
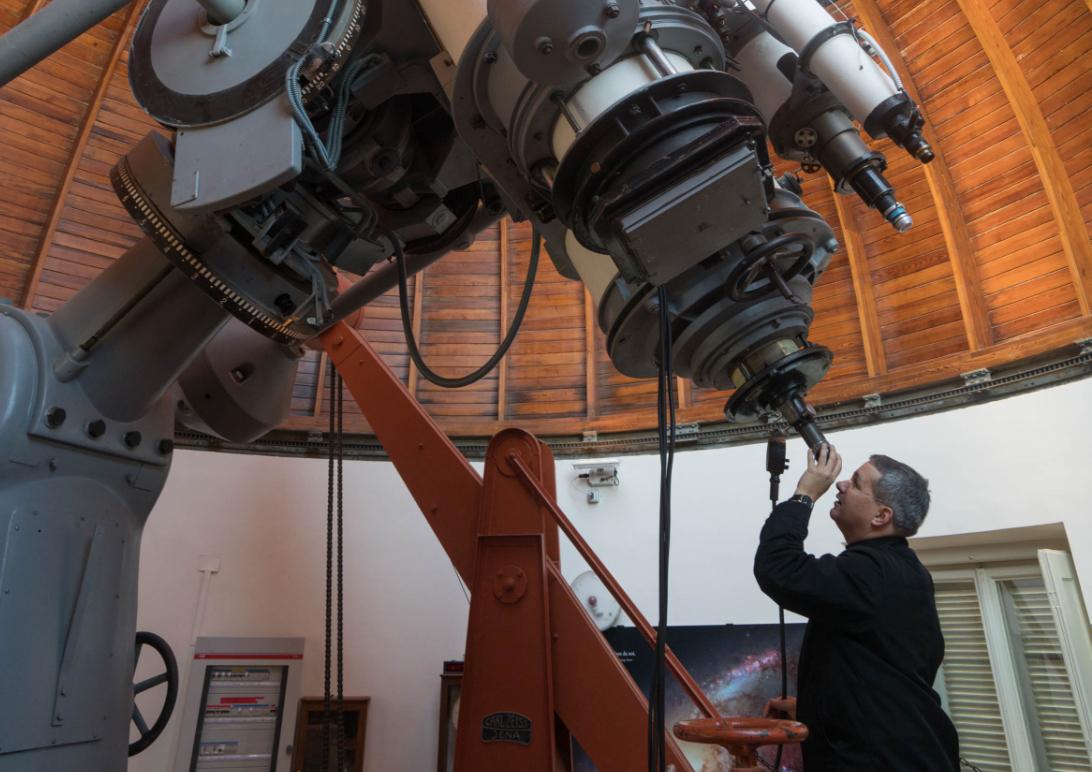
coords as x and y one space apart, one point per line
55 416
613 10
132 439
96 428
545 46
165 447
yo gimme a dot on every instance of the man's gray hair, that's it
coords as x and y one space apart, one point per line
904 490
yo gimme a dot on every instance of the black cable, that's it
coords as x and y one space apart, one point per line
517 321
776 465
784 674
672 403
666 406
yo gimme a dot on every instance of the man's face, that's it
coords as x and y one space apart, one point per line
855 506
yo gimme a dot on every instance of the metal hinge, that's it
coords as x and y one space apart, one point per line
591 436
872 401
977 377
1086 346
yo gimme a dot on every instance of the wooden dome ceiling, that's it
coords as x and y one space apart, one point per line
998 266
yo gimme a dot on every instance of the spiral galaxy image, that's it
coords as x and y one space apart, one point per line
737 666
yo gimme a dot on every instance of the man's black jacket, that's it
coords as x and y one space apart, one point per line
870 654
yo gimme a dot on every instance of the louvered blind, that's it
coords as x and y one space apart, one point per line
1039 652
968 679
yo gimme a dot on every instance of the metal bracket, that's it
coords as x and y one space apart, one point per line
872 401
590 436
977 377
220 47
1086 346
821 37
220 32
598 474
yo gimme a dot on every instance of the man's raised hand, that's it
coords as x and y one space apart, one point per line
821 472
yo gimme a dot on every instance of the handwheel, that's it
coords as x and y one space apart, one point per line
742 737
169 676
745 283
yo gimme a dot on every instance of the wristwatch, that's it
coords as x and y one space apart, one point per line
804 499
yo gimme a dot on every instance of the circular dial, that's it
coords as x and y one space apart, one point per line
596 600
188 72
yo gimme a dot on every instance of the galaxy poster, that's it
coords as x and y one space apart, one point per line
737 666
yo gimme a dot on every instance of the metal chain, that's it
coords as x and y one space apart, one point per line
326 694
340 442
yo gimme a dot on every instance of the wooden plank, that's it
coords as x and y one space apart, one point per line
683 392
33 7
875 361
320 384
939 177
709 408
502 369
87 125
1056 183
417 325
591 396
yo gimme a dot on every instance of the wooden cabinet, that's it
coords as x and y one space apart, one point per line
307 748
450 684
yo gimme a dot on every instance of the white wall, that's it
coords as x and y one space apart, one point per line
266 519
1020 461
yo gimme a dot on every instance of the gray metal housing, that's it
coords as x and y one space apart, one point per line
72 509
86 438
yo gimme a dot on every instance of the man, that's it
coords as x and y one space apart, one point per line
873 643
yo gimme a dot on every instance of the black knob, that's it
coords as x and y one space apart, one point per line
55 416
96 429
132 439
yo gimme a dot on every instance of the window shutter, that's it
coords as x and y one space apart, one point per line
968 679
1039 654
